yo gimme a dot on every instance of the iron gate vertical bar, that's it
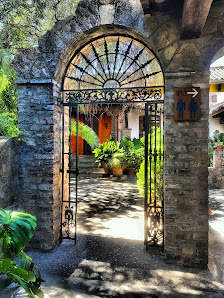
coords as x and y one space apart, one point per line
63 165
163 182
76 168
155 157
69 160
155 180
146 175
150 156
160 154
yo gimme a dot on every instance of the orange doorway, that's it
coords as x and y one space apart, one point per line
104 128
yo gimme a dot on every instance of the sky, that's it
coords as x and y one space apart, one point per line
219 62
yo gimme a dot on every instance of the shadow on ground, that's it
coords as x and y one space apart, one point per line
113 267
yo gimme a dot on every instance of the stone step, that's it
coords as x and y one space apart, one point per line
86 161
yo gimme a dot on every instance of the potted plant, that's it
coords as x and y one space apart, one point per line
134 158
219 145
134 152
117 163
103 153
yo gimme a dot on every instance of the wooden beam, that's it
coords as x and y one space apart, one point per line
195 13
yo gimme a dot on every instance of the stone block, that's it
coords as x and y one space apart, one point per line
106 13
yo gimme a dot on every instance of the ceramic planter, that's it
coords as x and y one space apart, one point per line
118 171
106 168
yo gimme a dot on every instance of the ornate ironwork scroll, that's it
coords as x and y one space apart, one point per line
69 221
111 95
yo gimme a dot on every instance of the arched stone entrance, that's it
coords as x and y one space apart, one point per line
185 63
115 69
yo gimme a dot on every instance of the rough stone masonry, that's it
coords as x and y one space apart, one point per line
185 64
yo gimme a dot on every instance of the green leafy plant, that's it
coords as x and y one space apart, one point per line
134 158
16 229
86 133
105 151
218 144
217 138
24 278
155 167
134 152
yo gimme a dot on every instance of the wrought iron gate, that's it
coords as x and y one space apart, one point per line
109 88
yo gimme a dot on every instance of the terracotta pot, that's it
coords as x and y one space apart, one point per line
130 171
118 171
106 168
219 148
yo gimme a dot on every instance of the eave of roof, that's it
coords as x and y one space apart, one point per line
216 109
217 74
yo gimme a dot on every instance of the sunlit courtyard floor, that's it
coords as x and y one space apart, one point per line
110 209
109 259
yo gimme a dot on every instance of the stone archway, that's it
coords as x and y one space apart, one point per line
132 66
185 63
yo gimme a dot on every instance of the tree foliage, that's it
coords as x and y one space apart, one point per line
8 97
23 21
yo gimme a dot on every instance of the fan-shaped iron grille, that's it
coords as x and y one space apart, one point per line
113 69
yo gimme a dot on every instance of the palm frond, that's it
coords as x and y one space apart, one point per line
86 133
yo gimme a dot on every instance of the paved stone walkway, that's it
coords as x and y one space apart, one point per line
109 259
216 234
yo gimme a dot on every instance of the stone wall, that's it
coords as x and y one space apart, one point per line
185 63
186 180
9 173
40 124
216 173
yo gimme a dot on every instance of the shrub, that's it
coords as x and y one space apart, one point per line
134 152
9 124
155 168
105 151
